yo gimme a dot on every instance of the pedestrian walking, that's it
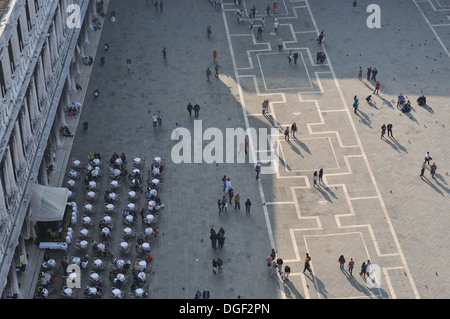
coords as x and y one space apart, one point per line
198 294
250 21
293 129
224 181
216 68
355 104
263 23
227 184
368 267
377 88
208 73
287 271
224 203
164 52
260 30
374 74
433 168
196 110
280 44
230 194
320 175
295 56
205 294
246 145
220 240
129 64
214 266
423 169
350 266
248 205
213 237
286 134
360 73
237 202
208 31
400 99
161 6
321 38
369 71
275 7
154 120
315 178
214 55
280 264
389 130
290 57
341 260
307 264
269 263
276 25
219 204
363 270
273 254
428 158
189 109
383 130
268 10
355 6
219 265
257 170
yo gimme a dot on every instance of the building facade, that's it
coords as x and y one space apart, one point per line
41 49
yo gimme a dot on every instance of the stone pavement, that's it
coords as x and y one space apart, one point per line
364 208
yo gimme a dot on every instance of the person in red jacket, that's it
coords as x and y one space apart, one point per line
377 88
275 7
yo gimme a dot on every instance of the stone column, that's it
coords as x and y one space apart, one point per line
11 185
43 170
18 146
61 112
54 44
48 71
41 80
3 211
26 123
34 108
